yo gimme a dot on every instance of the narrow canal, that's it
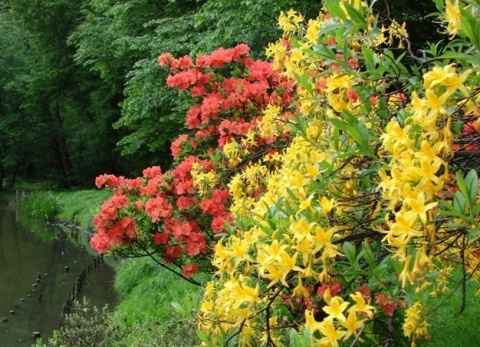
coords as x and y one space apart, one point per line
39 267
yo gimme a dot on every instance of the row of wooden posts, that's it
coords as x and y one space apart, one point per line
77 288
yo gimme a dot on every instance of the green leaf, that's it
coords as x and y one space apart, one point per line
304 81
356 16
369 58
473 234
295 339
368 254
439 5
471 182
349 251
335 10
324 51
232 337
450 210
470 27
203 337
459 203
179 308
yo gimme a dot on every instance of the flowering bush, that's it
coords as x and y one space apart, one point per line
179 214
361 217
335 188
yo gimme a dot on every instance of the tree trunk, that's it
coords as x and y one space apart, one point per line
66 164
2 175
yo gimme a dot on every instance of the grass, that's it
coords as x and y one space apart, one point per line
9 193
80 206
40 205
450 327
147 293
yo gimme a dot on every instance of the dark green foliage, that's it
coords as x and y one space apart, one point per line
81 92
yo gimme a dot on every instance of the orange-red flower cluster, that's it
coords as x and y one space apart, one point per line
164 212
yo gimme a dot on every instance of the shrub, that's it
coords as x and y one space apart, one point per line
85 328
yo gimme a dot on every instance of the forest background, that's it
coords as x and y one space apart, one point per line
81 92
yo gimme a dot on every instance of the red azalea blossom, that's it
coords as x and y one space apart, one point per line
387 304
160 238
165 207
190 269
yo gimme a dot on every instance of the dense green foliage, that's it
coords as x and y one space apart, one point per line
81 92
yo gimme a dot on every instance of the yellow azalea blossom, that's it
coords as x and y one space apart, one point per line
310 321
300 290
289 22
335 307
451 17
331 334
415 325
352 324
361 305
418 207
313 27
327 205
322 239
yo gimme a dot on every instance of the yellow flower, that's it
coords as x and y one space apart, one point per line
300 290
289 22
336 307
451 17
361 305
351 323
310 321
415 324
332 335
327 205
418 207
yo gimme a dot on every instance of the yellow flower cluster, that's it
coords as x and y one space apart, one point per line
338 326
204 182
363 171
290 22
415 324
417 170
234 152
288 236
245 186
273 122
451 17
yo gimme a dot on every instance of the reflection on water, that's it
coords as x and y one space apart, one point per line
37 272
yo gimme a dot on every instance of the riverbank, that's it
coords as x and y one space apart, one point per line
155 308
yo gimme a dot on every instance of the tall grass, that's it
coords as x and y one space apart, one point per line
40 205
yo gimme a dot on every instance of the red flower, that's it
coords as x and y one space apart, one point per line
186 202
190 269
165 59
151 172
387 304
101 242
160 238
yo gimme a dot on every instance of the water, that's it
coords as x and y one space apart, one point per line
38 269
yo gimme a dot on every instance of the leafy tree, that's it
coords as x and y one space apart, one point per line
17 132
